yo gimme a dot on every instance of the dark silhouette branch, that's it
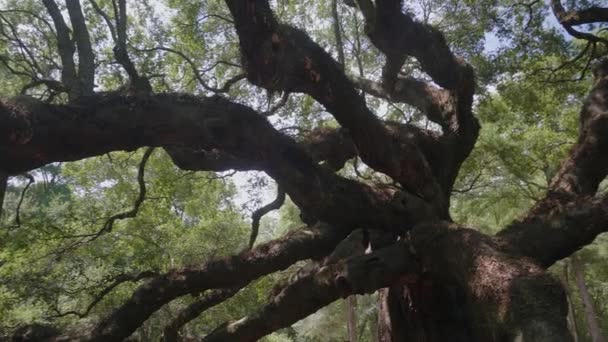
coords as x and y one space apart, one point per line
224 89
115 281
30 181
141 196
259 213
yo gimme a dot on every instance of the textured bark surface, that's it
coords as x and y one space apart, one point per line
438 280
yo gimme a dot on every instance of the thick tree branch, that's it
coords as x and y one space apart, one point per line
398 36
86 58
570 191
566 226
223 273
310 292
571 18
455 264
593 14
280 57
436 103
33 134
587 164
66 48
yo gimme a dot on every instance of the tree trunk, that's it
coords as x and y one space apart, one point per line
351 318
423 311
592 323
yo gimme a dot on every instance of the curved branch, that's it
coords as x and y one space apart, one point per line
397 35
436 103
30 181
197 73
571 189
565 226
280 57
141 196
116 280
593 14
33 134
570 18
259 213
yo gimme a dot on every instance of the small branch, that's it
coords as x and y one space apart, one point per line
196 71
258 214
18 210
140 197
116 280
109 225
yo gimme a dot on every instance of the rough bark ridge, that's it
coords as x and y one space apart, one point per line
441 281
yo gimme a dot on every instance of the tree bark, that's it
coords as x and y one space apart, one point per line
590 314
